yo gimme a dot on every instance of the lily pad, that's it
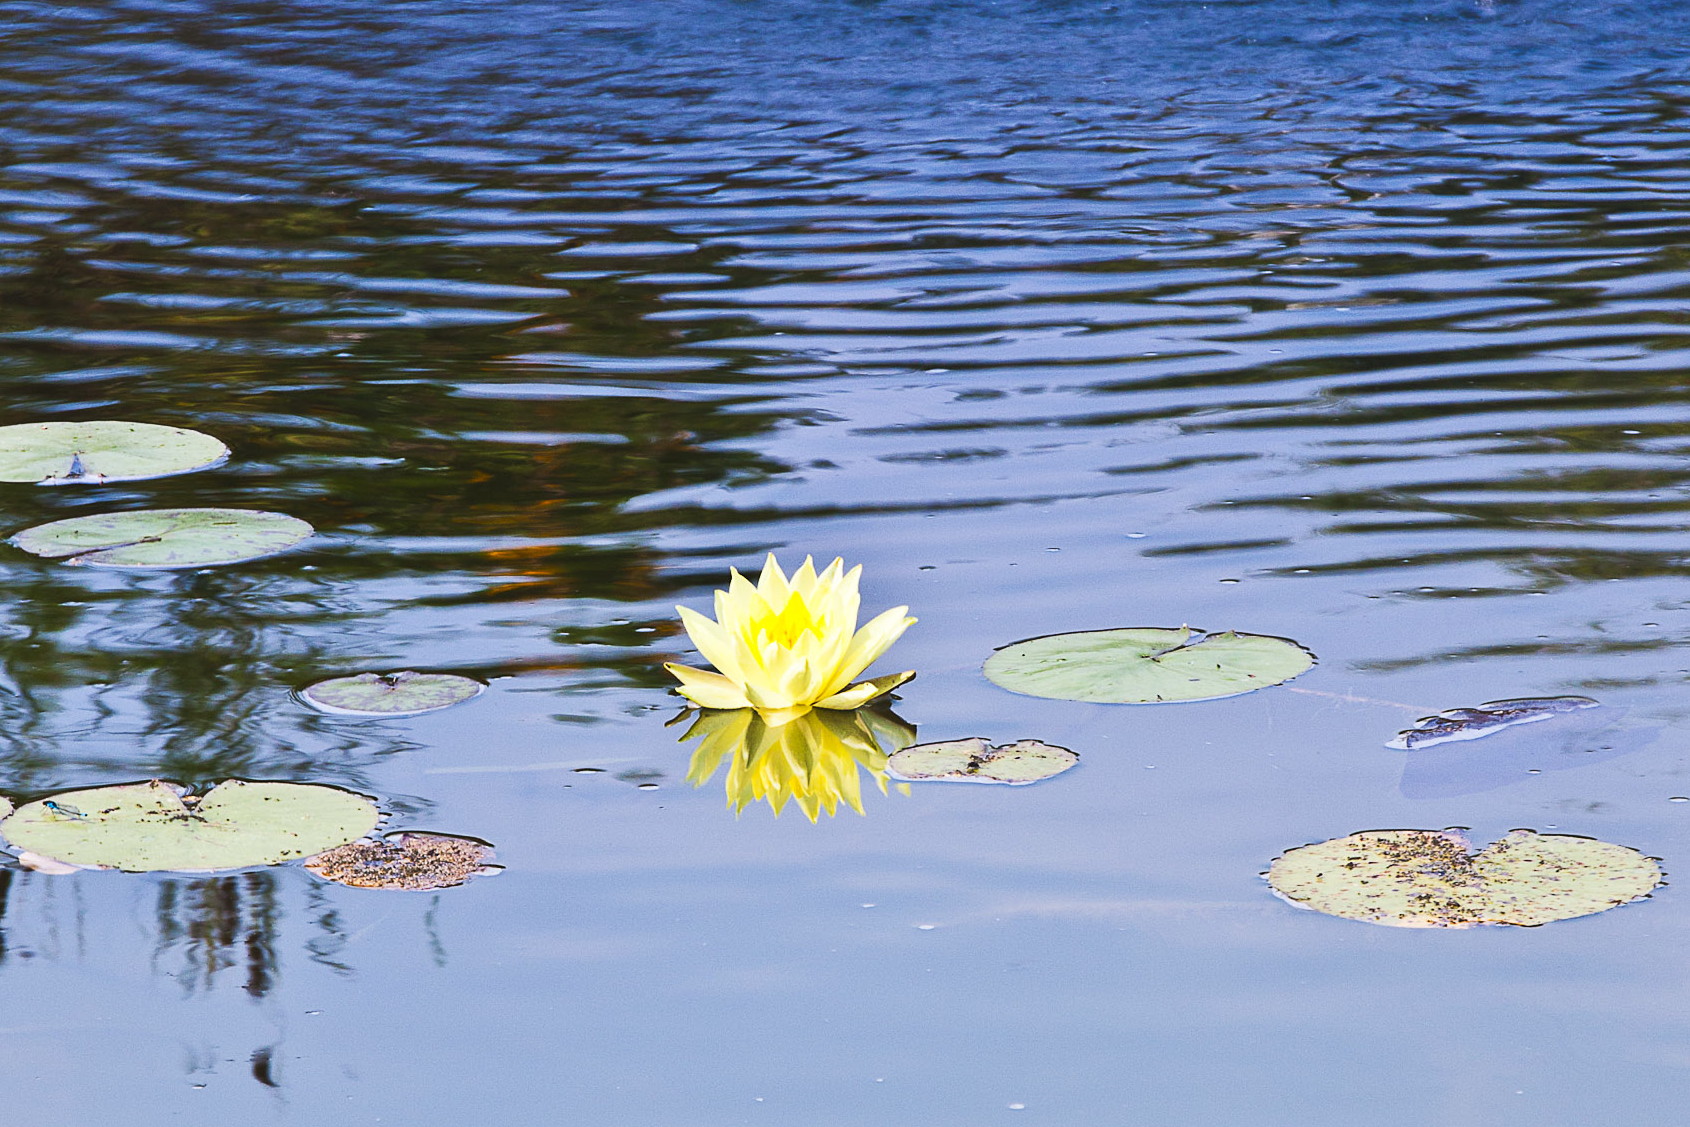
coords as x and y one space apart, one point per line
410 861
151 827
73 453
1431 878
1456 724
405 693
164 538
977 761
1146 665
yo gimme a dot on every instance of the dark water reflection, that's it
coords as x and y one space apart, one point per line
1359 323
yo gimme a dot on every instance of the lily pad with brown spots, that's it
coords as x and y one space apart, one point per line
1432 878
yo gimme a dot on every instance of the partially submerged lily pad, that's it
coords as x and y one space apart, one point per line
1146 665
73 453
1430 878
407 860
164 538
151 827
405 693
977 761
1456 724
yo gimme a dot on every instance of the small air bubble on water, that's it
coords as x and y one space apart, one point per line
1017 1107
648 786
1678 798
925 927
1231 581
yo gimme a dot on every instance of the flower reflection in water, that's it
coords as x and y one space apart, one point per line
815 759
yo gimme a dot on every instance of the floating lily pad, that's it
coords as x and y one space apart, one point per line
410 861
977 761
70 453
405 693
164 538
1455 724
1430 878
150 827
1145 665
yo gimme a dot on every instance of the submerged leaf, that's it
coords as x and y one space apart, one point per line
1429 878
1145 665
977 761
408 860
1455 724
149 827
164 538
405 693
72 453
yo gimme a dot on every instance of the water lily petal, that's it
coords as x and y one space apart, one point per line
714 644
864 691
706 689
869 643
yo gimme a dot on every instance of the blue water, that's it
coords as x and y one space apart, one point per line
1358 323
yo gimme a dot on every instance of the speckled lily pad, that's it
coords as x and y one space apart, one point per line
405 693
150 827
164 538
1146 665
1430 878
76 453
407 860
977 761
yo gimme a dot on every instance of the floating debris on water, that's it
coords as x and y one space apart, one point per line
408 861
1457 724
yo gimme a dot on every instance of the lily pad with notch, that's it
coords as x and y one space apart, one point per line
977 761
1146 665
1432 878
155 827
102 450
164 538
1458 724
406 860
405 693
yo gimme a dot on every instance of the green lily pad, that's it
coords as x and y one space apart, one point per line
405 693
409 861
977 761
164 538
70 453
150 827
1145 665
1430 878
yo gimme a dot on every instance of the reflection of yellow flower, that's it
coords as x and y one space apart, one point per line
787 645
813 759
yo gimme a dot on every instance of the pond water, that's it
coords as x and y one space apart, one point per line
1360 323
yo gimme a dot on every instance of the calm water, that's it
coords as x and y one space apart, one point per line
1361 323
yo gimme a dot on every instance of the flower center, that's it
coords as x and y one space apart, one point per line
785 626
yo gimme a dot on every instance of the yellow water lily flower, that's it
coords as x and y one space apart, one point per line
815 760
785 646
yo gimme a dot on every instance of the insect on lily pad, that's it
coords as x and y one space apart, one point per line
405 693
1431 878
154 827
1146 665
98 451
407 860
164 538
977 761
1456 724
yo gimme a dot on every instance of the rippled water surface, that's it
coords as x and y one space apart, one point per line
1361 323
